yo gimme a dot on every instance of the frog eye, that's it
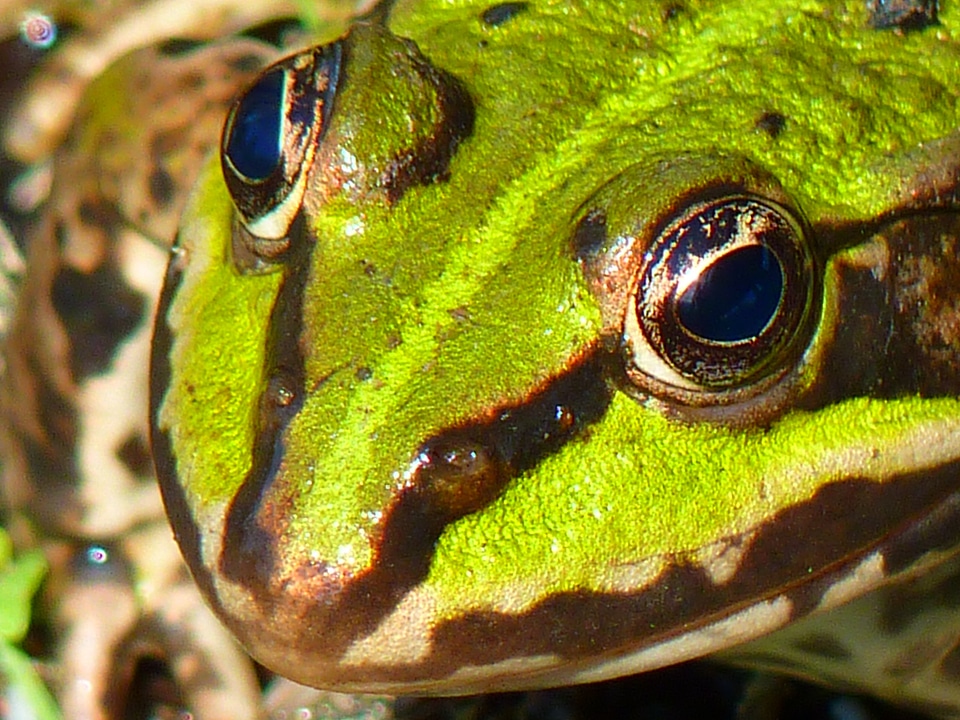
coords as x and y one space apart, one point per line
252 141
270 136
724 287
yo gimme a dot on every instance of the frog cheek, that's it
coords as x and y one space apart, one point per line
319 613
269 141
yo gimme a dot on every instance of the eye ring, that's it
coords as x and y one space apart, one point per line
721 300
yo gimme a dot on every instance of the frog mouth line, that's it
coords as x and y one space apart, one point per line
685 596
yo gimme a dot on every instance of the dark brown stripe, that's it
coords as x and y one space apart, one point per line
252 525
179 513
428 160
806 547
516 438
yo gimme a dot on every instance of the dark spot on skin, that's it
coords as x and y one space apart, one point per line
162 187
98 311
177 47
672 11
363 374
823 646
497 15
902 14
590 236
134 453
771 124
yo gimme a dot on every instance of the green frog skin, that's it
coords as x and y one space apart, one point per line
514 346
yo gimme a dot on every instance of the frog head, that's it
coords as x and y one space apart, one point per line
539 343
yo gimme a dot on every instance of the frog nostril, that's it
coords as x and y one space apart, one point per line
252 144
458 477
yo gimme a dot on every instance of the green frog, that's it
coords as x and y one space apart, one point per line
523 344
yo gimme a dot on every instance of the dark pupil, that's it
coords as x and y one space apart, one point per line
254 143
735 298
